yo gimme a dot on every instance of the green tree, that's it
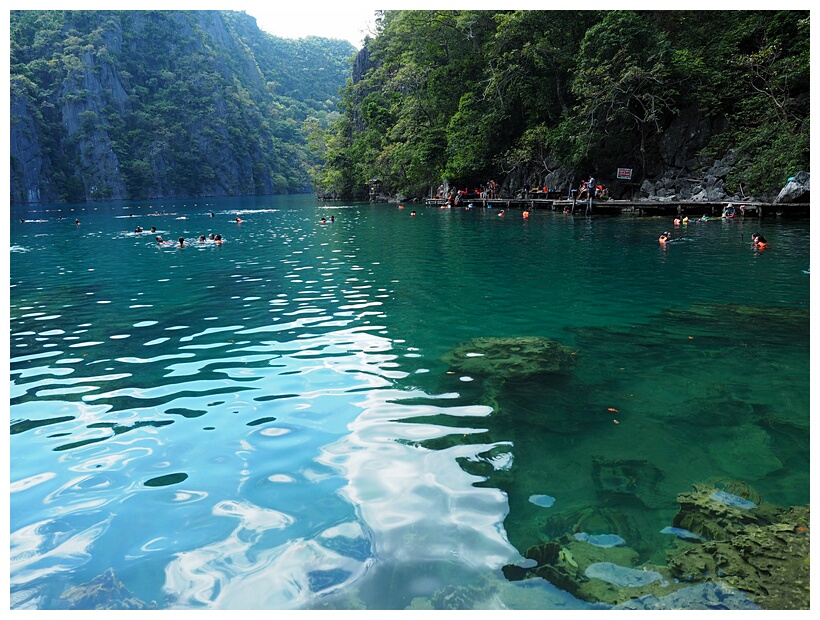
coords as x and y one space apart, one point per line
622 84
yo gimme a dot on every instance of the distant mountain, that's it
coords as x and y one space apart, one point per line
109 105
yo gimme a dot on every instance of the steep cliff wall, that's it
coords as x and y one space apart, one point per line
30 166
112 105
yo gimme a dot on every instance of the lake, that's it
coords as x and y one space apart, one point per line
297 418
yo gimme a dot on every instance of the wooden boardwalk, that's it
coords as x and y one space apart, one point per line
634 207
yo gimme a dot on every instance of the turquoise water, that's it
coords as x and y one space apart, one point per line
268 423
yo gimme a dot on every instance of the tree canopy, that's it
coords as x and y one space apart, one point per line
463 96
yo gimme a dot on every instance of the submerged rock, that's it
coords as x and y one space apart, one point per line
508 358
105 591
739 554
701 596
760 549
621 576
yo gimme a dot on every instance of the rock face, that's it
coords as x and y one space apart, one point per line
113 105
797 189
29 164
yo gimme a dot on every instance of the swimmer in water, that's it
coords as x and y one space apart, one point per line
412 213
202 238
182 242
138 229
153 229
238 220
759 241
665 238
332 218
501 213
218 239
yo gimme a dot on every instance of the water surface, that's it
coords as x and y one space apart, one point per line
268 422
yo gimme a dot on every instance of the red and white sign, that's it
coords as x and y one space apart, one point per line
625 173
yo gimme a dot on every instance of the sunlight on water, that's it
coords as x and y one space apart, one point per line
273 422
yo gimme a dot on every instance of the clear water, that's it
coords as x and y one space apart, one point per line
267 423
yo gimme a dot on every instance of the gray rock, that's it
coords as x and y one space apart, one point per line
797 189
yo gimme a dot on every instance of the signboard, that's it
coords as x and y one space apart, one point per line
625 174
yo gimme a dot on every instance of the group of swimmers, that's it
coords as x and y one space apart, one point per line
758 241
212 238
324 219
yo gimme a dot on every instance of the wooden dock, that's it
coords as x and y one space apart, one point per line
635 207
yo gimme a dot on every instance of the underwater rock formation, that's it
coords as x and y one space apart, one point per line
761 550
498 360
734 552
105 591
510 358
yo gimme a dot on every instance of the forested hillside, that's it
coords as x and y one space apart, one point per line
138 104
548 97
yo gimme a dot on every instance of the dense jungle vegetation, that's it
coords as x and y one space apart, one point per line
464 96
137 104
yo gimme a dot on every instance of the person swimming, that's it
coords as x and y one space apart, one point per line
182 242
759 241
665 238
